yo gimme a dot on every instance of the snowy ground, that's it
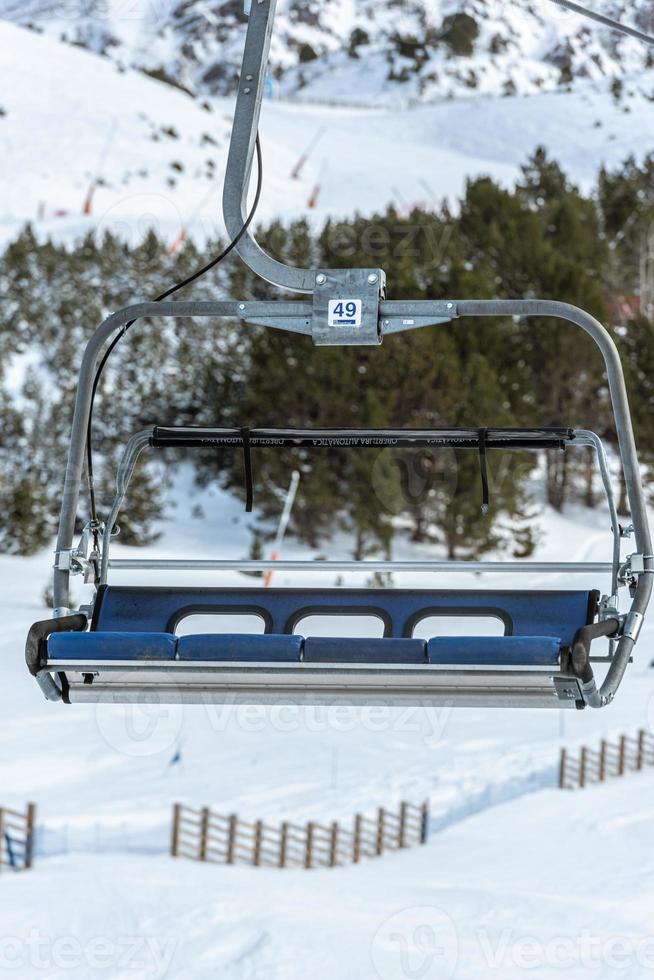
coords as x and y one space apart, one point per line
482 900
556 884
161 155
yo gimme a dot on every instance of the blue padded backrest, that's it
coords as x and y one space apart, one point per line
112 646
240 647
148 610
495 651
327 649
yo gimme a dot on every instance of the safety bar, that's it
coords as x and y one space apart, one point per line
369 565
505 438
193 437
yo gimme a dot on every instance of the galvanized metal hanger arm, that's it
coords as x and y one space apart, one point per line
241 154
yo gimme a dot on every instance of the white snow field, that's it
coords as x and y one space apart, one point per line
554 885
517 877
160 156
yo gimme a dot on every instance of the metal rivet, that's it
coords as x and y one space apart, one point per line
241 306
248 78
372 278
387 323
321 278
247 90
450 305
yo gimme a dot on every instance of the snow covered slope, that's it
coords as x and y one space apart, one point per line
556 884
70 116
357 51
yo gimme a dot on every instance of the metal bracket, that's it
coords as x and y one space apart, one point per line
312 319
83 559
632 624
567 689
635 566
346 307
609 608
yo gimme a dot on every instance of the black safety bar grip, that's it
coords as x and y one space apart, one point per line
582 644
166 437
35 652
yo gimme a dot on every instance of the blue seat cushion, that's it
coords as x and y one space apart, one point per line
112 646
363 650
241 647
495 651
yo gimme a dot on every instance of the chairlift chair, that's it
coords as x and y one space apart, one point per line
124 647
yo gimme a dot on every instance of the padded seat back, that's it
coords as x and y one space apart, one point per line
159 610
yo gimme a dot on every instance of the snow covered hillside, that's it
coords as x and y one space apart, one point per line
356 51
70 117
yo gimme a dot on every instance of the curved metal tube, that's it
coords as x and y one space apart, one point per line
133 450
586 437
106 330
241 154
626 444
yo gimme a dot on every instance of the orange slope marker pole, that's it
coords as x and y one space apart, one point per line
185 232
314 197
87 207
283 525
299 166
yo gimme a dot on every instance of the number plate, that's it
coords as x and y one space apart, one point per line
344 313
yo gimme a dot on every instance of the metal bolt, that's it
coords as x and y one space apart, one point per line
247 90
248 78
450 305
387 323
321 278
372 278
241 306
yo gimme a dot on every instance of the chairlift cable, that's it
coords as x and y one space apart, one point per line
169 292
615 25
